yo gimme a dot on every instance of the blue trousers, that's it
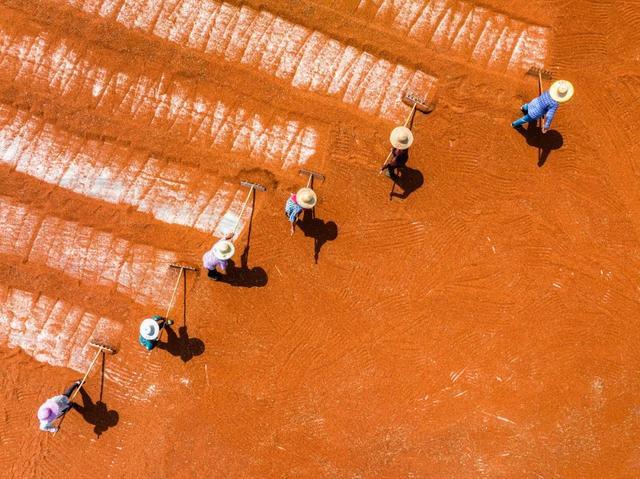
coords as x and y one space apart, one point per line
525 119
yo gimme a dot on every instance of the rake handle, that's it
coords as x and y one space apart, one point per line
173 295
385 162
413 110
77 390
244 205
540 93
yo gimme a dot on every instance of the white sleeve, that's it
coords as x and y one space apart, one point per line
47 426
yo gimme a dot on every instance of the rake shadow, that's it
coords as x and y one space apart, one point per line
544 142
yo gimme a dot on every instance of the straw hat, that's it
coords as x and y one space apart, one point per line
223 250
401 137
561 91
48 411
149 329
306 198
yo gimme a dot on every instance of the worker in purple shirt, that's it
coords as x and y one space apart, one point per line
218 258
56 407
545 105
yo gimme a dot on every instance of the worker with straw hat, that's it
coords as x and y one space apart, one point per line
55 407
304 199
401 139
150 331
218 257
546 104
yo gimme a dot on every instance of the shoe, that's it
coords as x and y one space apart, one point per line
213 274
524 108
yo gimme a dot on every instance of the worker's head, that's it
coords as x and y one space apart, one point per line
561 91
48 411
223 250
401 137
149 329
306 198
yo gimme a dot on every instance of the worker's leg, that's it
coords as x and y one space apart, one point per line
71 388
521 121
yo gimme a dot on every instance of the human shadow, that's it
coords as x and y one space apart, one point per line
181 344
244 276
319 230
97 414
544 142
409 180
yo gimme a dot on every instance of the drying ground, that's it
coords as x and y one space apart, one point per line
478 319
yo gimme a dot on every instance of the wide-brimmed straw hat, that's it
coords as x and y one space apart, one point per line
149 329
401 137
306 198
223 249
561 91
48 411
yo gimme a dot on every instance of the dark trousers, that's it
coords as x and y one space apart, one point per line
69 391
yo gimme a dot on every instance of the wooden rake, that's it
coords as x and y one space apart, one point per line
252 187
183 269
417 103
102 348
312 174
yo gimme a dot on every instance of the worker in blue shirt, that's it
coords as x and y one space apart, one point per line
545 105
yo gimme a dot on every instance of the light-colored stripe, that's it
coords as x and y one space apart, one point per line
307 59
474 33
51 330
170 105
93 256
172 193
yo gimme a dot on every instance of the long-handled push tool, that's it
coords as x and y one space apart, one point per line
252 187
102 348
311 174
183 268
416 103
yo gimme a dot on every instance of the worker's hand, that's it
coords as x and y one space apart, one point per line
544 130
292 229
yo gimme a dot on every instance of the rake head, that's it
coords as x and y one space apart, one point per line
102 347
255 186
420 103
183 266
539 71
312 173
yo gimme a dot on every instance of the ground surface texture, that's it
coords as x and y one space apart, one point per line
479 319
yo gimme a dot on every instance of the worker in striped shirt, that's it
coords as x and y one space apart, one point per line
545 105
304 199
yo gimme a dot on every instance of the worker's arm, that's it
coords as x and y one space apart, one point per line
47 426
549 117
